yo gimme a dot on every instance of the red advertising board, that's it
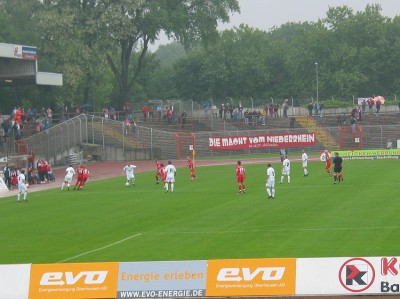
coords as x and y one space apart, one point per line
261 141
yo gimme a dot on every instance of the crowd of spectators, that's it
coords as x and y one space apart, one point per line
39 173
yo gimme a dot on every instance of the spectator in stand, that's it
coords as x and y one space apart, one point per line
214 111
183 118
389 144
38 125
310 109
285 108
159 111
263 117
378 106
169 115
105 111
363 105
145 111
50 174
49 115
370 105
353 123
17 131
33 178
42 168
18 116
113 115
14 176
7 176
31 159
276 110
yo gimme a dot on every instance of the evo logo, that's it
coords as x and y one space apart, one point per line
245 274
356 275
69 278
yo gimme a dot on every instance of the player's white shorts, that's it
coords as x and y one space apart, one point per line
22 187
170 179
304 164
130 177
68 178
270 183
286 171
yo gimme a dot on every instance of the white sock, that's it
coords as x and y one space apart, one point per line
172 187
273 192
281 179
288 178
269 192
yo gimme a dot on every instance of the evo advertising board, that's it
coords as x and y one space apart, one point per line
70 281
251 277
14 281
348 276
162 279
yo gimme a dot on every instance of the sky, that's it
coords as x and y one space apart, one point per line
265 14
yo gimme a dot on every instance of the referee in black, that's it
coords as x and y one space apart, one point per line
337 168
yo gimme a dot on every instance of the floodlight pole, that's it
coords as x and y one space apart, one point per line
316 75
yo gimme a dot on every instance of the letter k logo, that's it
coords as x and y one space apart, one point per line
389 266
353 274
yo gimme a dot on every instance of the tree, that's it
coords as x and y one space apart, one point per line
128 25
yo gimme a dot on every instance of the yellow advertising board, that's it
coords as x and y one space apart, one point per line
250 277
62 281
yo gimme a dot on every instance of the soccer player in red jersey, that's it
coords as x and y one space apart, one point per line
240 176
158 175
163 173
79 171
328 162
85 176
190 164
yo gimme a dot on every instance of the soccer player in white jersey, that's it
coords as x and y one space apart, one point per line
22 186
69 174
270 181
170 180
285 170
304 161
129 170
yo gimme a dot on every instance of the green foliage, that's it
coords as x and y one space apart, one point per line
208 219
336 103
101 48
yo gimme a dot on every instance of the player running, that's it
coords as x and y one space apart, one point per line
69 174
328 162
157 174
129 170
190 164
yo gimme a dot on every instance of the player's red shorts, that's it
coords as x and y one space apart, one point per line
240 178
328 164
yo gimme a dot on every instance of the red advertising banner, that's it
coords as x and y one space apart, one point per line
261 141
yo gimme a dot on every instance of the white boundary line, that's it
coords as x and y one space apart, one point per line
101 248
277 230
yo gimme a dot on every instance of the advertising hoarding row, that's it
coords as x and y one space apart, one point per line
212 278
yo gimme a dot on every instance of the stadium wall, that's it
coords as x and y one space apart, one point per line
332 276
106 140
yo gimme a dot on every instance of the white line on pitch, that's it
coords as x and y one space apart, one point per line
101 248
275 230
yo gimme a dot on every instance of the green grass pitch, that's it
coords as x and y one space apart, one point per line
208 219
